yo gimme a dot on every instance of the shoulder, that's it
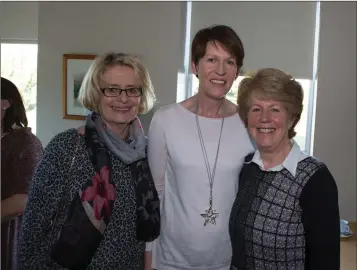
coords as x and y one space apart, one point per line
59 150
62 141
26 143
171 108
248 158
25 137
310 165
231 107
167 113
238 123
247 163
233 113
320 185
317 173
318 169
238 130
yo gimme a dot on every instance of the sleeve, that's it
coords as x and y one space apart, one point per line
321 220
157 156
44 196
24 163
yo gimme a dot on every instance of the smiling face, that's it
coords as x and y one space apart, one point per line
120 110
216 71
268 123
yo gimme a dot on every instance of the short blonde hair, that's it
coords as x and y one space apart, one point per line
90 93
272 84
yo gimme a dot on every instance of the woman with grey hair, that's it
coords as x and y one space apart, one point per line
286 213
92 203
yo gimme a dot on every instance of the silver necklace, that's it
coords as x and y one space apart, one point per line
210 214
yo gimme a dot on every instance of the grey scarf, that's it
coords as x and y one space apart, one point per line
126 152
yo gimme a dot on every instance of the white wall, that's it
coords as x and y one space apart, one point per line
18 21
150 29
335 128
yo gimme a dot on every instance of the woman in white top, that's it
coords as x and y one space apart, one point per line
196 151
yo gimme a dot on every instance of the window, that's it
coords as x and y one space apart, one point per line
196 19
301 128
19 65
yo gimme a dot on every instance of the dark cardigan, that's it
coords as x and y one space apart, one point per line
279 221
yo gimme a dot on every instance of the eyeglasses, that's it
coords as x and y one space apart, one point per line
115 91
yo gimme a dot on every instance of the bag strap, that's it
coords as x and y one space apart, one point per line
67 187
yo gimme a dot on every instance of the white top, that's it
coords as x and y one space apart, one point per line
290 163
179 171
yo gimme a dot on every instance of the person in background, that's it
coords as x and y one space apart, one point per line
195 162
286 213
92 203
20 153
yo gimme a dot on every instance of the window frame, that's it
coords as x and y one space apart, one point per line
27 42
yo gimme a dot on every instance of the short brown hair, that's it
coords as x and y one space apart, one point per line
16 113
217 33
272 84
90 94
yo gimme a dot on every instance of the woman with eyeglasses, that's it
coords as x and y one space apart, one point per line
92 203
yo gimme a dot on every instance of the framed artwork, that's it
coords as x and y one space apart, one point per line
75 66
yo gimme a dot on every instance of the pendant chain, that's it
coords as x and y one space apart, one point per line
210 174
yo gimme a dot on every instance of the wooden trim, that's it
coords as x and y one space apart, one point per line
348 249
353 227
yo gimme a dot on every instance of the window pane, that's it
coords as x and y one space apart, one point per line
19 65
300 128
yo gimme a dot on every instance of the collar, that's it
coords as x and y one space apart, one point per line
290 163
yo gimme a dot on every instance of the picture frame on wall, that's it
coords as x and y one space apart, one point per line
75 66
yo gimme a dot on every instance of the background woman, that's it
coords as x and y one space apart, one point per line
20 154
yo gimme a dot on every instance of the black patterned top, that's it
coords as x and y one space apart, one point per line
119 249
279 221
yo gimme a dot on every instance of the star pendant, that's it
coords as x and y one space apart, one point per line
210 216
